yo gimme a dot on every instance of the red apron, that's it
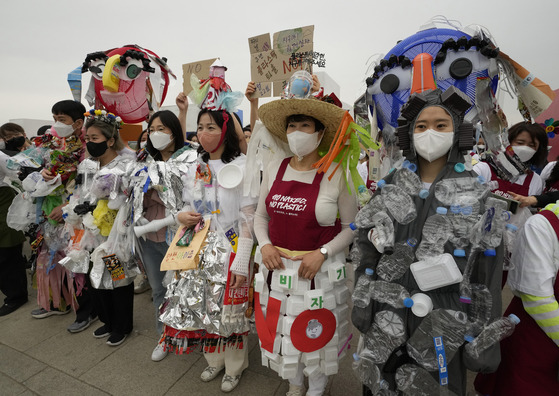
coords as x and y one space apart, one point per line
553 187
529 358
291 207
506 186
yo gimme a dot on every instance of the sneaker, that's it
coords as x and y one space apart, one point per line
116 339
229 383
142 286
9 308
295 390
76 327
158 353
210 373
41 313
101 332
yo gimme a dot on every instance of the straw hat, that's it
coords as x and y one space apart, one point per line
274 115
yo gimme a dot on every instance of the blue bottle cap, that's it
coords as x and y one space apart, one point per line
442 210
406 164
468 337
381 183
455 208
481 179
459 253
490 253
362 188
369 271
515 319
352 226
511 227
467 210
506 215
356 357
408 302
424 193
412 167
459 167
411 242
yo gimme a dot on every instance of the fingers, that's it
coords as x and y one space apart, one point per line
237 281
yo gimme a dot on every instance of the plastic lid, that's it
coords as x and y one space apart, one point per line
408 302
406 164
459 167
362 188
468 337
467 210
455 208
515 319
442 210
459 253
352 226
412 167
369 271
411 242
381 183
511 227
356 357
506 215
423 193
490 253
481 179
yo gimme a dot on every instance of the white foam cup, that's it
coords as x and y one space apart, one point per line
422 304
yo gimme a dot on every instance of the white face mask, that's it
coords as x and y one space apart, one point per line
302 143
63 130
160 140
431 144
525 153
480 148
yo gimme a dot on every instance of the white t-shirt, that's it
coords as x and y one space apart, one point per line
535 258
546 172
536 185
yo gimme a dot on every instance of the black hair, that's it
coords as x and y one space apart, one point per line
318 126
170 120
71 108
139 141
9 128
109 130
42 130
247 128
231 140
537 133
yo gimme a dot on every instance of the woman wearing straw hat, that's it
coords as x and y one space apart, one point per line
302 226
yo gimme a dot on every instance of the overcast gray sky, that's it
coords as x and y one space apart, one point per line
42 40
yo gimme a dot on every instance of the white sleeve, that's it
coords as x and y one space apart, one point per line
536 185
347 207
546 172
535 258
482 169
261 218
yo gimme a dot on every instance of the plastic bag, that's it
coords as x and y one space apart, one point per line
22 212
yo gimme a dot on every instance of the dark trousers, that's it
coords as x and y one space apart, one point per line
13 279
115 308
86 305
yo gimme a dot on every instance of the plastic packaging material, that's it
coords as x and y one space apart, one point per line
435 272
394 266
393 294
355 252
422 304
447 191
368 373
449 324
361 297
479 311
509 237
491 334
436 232
413 380
386 334
398 202
488 232
363 195
364 218
407 179
383 233
463 216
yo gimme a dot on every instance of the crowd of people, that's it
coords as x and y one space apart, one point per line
281 233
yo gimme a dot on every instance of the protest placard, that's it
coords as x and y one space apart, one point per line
200 68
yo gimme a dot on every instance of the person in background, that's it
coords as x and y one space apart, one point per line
248 132
44 129
550 177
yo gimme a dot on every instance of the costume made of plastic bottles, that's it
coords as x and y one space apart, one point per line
453 217
200 309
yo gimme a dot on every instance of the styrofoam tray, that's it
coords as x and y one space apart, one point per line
436 272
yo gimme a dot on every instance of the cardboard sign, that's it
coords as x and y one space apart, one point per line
271 69
260 43
185 257
200 68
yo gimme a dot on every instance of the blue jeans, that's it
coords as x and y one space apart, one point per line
152 254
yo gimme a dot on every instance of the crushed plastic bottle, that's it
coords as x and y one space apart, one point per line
479 311
399 203
383 233
361 296
413 380
463 216
393 294
363 195
436 232
364 218
488 232
386 334
447 191
407 179
394 266
368 373
509 237
491 334
449 324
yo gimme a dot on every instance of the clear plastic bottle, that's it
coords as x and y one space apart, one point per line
399 203
436 232
449 324
355 252
448 190
407 179
361 296
490 335
393 294
463 216
488 232
384 233
509 237
363 195
479 311
368 373
413 380
364 218
394 266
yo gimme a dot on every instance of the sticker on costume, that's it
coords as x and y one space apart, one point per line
312 330
114 266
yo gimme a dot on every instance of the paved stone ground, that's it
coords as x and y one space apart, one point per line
39 357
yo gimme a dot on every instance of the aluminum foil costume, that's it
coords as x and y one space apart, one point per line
404 348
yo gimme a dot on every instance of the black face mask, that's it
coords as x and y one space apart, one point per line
15 143
96 149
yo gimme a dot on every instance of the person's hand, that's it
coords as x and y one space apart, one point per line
237 281
182 102
315 84
251 89
189 219
56 213
524 201
310 264
271 257
47 175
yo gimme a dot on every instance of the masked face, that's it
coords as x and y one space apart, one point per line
524 147
63 130
302 137
525 153
96 142
433 133
15 143
160 140
209 134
